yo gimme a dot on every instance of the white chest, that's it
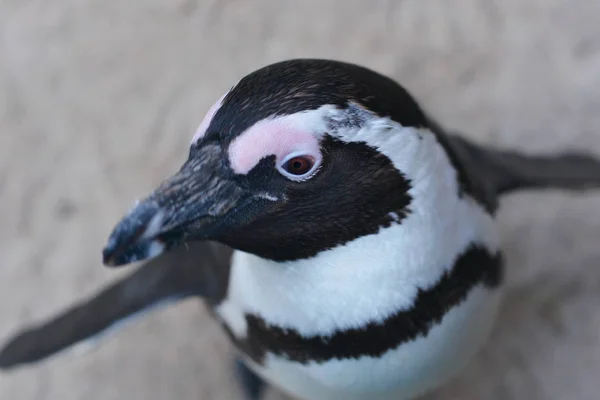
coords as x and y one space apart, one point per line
369 279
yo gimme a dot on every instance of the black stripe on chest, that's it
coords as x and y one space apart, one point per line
476 265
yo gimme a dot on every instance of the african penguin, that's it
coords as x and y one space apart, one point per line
345 241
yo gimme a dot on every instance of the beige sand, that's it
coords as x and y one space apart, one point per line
98 102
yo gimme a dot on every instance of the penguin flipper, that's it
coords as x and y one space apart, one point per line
197 270
505 171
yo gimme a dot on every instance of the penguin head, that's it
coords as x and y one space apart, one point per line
298 157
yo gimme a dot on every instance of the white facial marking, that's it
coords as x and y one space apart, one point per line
207 120
268 196
279 137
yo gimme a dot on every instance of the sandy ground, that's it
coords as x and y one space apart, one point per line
98 102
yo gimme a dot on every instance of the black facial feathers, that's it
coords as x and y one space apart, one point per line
357 192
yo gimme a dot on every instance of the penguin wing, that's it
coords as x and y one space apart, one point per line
490 173
200 269
505 171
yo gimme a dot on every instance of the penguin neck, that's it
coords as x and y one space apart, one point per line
365 280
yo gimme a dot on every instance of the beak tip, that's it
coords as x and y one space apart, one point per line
116 256
129 240
109 256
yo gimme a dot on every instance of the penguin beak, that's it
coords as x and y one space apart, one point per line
196 203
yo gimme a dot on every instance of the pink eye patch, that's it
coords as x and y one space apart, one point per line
270 137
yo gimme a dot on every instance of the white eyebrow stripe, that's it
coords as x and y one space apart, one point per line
201 131
278 137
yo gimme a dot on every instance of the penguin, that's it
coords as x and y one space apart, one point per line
343 239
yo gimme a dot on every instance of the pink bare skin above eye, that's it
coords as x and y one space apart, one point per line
271 137
207 119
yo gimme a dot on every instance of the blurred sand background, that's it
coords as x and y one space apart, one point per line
99 100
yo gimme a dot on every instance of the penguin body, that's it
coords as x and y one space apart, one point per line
366 261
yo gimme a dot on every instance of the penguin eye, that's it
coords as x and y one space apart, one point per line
298 166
